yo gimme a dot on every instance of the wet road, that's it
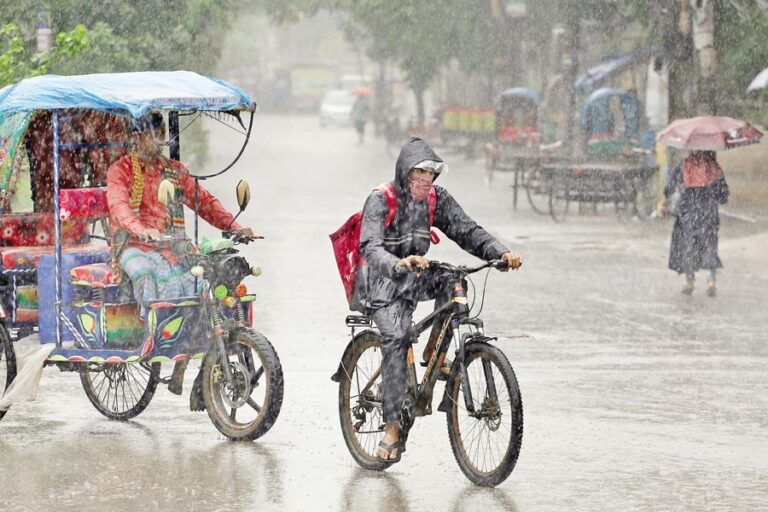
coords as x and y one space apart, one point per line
635 397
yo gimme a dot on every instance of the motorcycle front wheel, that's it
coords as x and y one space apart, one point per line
248 407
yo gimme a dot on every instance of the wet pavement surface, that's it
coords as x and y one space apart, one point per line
635 397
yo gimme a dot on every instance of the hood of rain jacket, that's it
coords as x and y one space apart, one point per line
408 234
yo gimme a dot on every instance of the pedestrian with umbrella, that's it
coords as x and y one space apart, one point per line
696 187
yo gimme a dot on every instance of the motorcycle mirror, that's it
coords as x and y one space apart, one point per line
165 191
243 194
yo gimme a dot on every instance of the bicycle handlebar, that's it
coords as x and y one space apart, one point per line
461 269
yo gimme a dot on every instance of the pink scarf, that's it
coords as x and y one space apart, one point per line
701 169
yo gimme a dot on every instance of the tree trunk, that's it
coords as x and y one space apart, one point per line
675 29
570 66
703 41
419 94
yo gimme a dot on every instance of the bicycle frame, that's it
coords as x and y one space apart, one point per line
418 395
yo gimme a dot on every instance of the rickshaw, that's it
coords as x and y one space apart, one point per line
613 168
58 137
516 147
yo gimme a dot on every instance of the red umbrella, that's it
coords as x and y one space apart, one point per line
709 133
363 90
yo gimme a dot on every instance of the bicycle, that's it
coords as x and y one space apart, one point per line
482 417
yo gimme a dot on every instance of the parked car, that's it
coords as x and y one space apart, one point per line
336 107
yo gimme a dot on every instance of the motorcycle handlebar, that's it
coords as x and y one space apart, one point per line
240 239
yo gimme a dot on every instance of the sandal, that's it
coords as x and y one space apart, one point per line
389 447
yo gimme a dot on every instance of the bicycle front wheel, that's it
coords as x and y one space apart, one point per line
486 442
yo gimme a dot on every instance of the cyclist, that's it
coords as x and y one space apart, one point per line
390 298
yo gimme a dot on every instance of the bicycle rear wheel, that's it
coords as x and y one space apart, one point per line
7 363
360 410
120 391
486 442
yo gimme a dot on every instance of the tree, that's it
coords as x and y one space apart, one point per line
18 61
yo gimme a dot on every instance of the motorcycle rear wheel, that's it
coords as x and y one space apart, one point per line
257 393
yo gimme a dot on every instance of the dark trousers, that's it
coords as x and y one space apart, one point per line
394 323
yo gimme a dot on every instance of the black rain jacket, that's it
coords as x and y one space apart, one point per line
408 234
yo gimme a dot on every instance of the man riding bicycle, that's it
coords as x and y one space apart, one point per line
390 297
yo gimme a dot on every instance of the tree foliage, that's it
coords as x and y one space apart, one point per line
132 35
17 60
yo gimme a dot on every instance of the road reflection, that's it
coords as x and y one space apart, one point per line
127 465
373 491
482 499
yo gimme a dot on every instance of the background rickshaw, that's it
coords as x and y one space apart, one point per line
609 166
517 136
58 137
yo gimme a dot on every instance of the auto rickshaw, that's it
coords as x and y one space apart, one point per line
58 137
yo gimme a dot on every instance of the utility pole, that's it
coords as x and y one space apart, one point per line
570 65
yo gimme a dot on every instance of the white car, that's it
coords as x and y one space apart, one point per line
336 107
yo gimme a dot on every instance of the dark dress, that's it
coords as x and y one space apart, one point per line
694 236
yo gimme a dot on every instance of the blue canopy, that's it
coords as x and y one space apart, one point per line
516 92
137 93
596 75
597 117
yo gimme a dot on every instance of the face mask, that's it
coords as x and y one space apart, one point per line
419 187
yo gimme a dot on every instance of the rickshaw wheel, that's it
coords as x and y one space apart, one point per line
120 391
645 197
537 188
7 363
559 198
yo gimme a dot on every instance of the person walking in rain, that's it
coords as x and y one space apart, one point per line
359 116
694 191
390 297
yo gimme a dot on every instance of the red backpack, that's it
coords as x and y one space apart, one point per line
346 239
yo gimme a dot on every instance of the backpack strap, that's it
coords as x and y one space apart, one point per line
432 205
388 189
